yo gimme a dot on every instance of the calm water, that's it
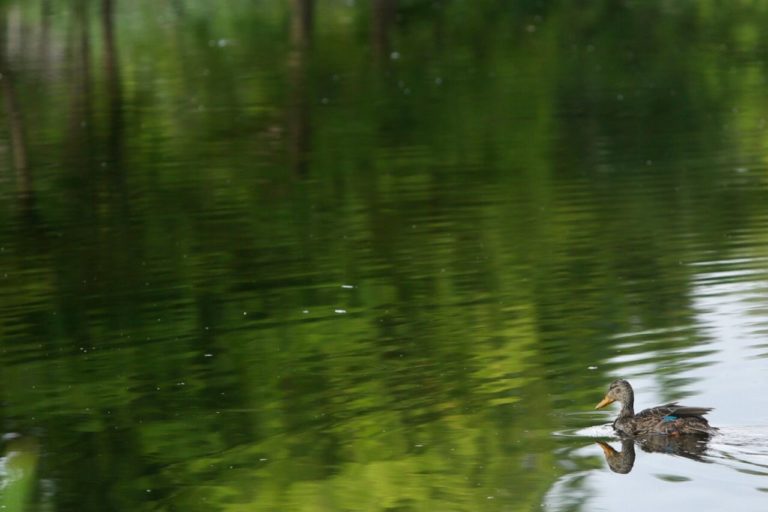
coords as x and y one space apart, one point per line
385 257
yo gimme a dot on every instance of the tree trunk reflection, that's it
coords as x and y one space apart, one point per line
299 113
15 119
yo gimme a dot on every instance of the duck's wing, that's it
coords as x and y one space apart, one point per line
686 412
674 409
672 419
658 412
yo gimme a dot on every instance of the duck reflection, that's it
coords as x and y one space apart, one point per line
619 462
691 447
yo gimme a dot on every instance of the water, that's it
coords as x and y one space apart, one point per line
385 257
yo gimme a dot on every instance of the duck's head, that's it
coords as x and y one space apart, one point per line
619 391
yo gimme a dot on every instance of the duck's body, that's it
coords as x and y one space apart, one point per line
670 419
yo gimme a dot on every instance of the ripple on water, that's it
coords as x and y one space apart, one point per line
596 431
744 449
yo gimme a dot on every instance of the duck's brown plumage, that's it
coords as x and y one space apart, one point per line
669 419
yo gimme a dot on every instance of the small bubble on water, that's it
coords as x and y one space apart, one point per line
340 311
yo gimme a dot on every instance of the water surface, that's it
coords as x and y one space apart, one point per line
386 256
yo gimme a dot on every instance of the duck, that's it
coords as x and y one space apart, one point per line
669 419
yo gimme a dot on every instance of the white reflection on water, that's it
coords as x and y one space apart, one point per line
659 481
730 300
735 316
733 467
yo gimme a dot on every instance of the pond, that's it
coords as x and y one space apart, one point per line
385 255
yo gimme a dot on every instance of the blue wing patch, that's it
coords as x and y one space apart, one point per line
668 418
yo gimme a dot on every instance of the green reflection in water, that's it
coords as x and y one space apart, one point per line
17 472
253 261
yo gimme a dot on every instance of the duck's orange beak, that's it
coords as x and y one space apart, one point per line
605 401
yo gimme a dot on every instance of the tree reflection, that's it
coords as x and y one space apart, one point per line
14 116
114 89
299 107
383 17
